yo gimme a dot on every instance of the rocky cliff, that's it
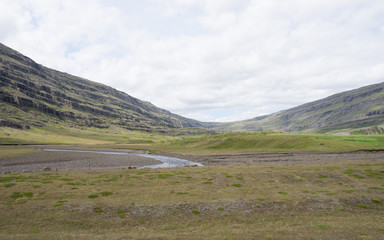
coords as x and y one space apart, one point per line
33 95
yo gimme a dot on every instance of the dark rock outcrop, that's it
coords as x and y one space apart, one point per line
28 87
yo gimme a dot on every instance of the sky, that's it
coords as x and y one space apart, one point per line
210 60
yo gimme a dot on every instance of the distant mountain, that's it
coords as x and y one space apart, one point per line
359 108
33 95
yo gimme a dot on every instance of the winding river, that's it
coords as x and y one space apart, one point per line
167 162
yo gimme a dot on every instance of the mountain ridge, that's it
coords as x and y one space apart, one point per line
46 95
34 95
353 109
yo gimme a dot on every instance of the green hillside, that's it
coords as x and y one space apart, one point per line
33 95
357 109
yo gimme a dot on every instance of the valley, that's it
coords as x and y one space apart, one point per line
311 172
314 198
266 185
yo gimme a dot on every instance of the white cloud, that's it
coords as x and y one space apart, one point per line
211 60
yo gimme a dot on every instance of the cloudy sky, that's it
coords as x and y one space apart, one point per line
211 60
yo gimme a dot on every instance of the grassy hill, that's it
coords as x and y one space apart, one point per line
357 109
33 95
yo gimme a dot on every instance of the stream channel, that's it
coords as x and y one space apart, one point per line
167 162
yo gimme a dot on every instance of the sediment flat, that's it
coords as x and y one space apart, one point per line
278 157
92 161
62 161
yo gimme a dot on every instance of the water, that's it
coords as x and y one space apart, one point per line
167 162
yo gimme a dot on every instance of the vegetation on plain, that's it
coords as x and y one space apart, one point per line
285 200
263 201
312 200
196 144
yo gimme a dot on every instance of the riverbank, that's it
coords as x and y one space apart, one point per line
51 158
67 160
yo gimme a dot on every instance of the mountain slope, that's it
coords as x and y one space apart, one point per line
359 108
33 95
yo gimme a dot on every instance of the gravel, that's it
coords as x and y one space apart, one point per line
62 161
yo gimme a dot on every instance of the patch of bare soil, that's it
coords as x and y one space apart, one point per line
73 161
279 157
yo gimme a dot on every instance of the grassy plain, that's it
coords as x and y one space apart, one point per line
155 142
269 141
307 200
333 200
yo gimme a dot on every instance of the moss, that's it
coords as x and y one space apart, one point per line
106 193
362 205
196 212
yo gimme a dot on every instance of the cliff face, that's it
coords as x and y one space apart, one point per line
359 108
31 94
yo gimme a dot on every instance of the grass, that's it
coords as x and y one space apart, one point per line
9 185
270 203
61 134
236 185
280 141
362 205
196 144
106 193
323 226
238 143
10 152
196 212
314 200
376 201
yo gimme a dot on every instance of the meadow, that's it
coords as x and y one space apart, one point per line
333 200
182 142
293 200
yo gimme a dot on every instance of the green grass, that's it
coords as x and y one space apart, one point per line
265 201
283 193
106 193
196 212
323 226
376 201
63 134
9 185
154 142
10 152
270 203
362 205
239 142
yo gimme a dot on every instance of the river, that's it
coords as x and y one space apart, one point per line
167 162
